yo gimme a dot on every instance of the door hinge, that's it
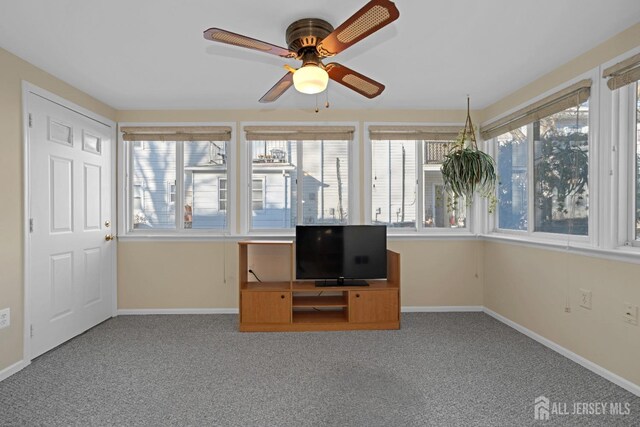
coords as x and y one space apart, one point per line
31 330
30 225
30 120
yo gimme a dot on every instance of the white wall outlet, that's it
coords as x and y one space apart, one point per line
585 298
5 318
631 313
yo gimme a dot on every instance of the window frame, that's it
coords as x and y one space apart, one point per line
419 230
126 194
595 181
634 141
245 182
623 130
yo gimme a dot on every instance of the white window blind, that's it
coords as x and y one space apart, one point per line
623 73
413 133
571 96
299 133
176 133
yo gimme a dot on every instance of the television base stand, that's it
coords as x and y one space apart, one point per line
341 282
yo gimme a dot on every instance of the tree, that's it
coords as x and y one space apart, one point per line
561 172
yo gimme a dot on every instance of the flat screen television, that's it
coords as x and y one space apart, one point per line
337 255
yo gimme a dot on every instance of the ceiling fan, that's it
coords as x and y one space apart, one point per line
310 40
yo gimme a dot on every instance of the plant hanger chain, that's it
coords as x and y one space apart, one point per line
468 128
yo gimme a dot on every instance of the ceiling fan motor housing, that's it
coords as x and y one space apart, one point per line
304 35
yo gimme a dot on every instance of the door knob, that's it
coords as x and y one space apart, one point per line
109 237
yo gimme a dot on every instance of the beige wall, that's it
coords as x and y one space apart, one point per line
12 71
205 274
177 275
531 287
615 46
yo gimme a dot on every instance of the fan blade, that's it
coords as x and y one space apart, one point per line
223 36
373 16
353 80
278 89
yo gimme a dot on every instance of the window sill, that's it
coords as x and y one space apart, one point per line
175 236
623 253
433 234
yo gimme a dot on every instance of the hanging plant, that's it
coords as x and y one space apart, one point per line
467 170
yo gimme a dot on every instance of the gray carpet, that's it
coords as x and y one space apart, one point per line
441 369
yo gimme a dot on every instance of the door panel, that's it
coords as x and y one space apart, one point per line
373 306
61 285
61 194
92 275
266 307
92 197
70 200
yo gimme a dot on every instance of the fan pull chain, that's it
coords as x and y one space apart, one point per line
317 109
326 93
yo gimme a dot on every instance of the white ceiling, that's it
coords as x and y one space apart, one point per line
150 54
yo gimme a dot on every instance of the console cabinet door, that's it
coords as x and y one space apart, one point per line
265 307
373 306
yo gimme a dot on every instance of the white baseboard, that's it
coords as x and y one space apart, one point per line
143 311
12 369
441 309
605 373
406 309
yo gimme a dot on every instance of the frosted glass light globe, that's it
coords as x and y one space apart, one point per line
310 79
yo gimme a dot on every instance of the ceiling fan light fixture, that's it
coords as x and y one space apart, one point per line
310 79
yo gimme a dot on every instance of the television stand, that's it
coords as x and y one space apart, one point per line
279 303
340 282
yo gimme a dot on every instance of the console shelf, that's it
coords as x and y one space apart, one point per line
320 317
319 301
288 305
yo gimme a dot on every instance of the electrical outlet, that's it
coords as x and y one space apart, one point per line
585 298
631 313
5 318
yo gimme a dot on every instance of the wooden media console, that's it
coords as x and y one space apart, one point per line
290 305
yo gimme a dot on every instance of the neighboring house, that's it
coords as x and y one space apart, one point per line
324 196
394 185
154 184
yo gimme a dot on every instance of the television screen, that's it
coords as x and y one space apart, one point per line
336 252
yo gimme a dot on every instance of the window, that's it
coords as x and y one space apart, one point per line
298 175
407 189
623 78
543 164
394 189
205 169
155 169
512 160
561 172
175 184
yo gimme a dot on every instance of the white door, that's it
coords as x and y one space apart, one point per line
70 258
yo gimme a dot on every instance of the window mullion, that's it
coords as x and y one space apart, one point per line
179 204
299 184
531 193
419 147
629 137
129 181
